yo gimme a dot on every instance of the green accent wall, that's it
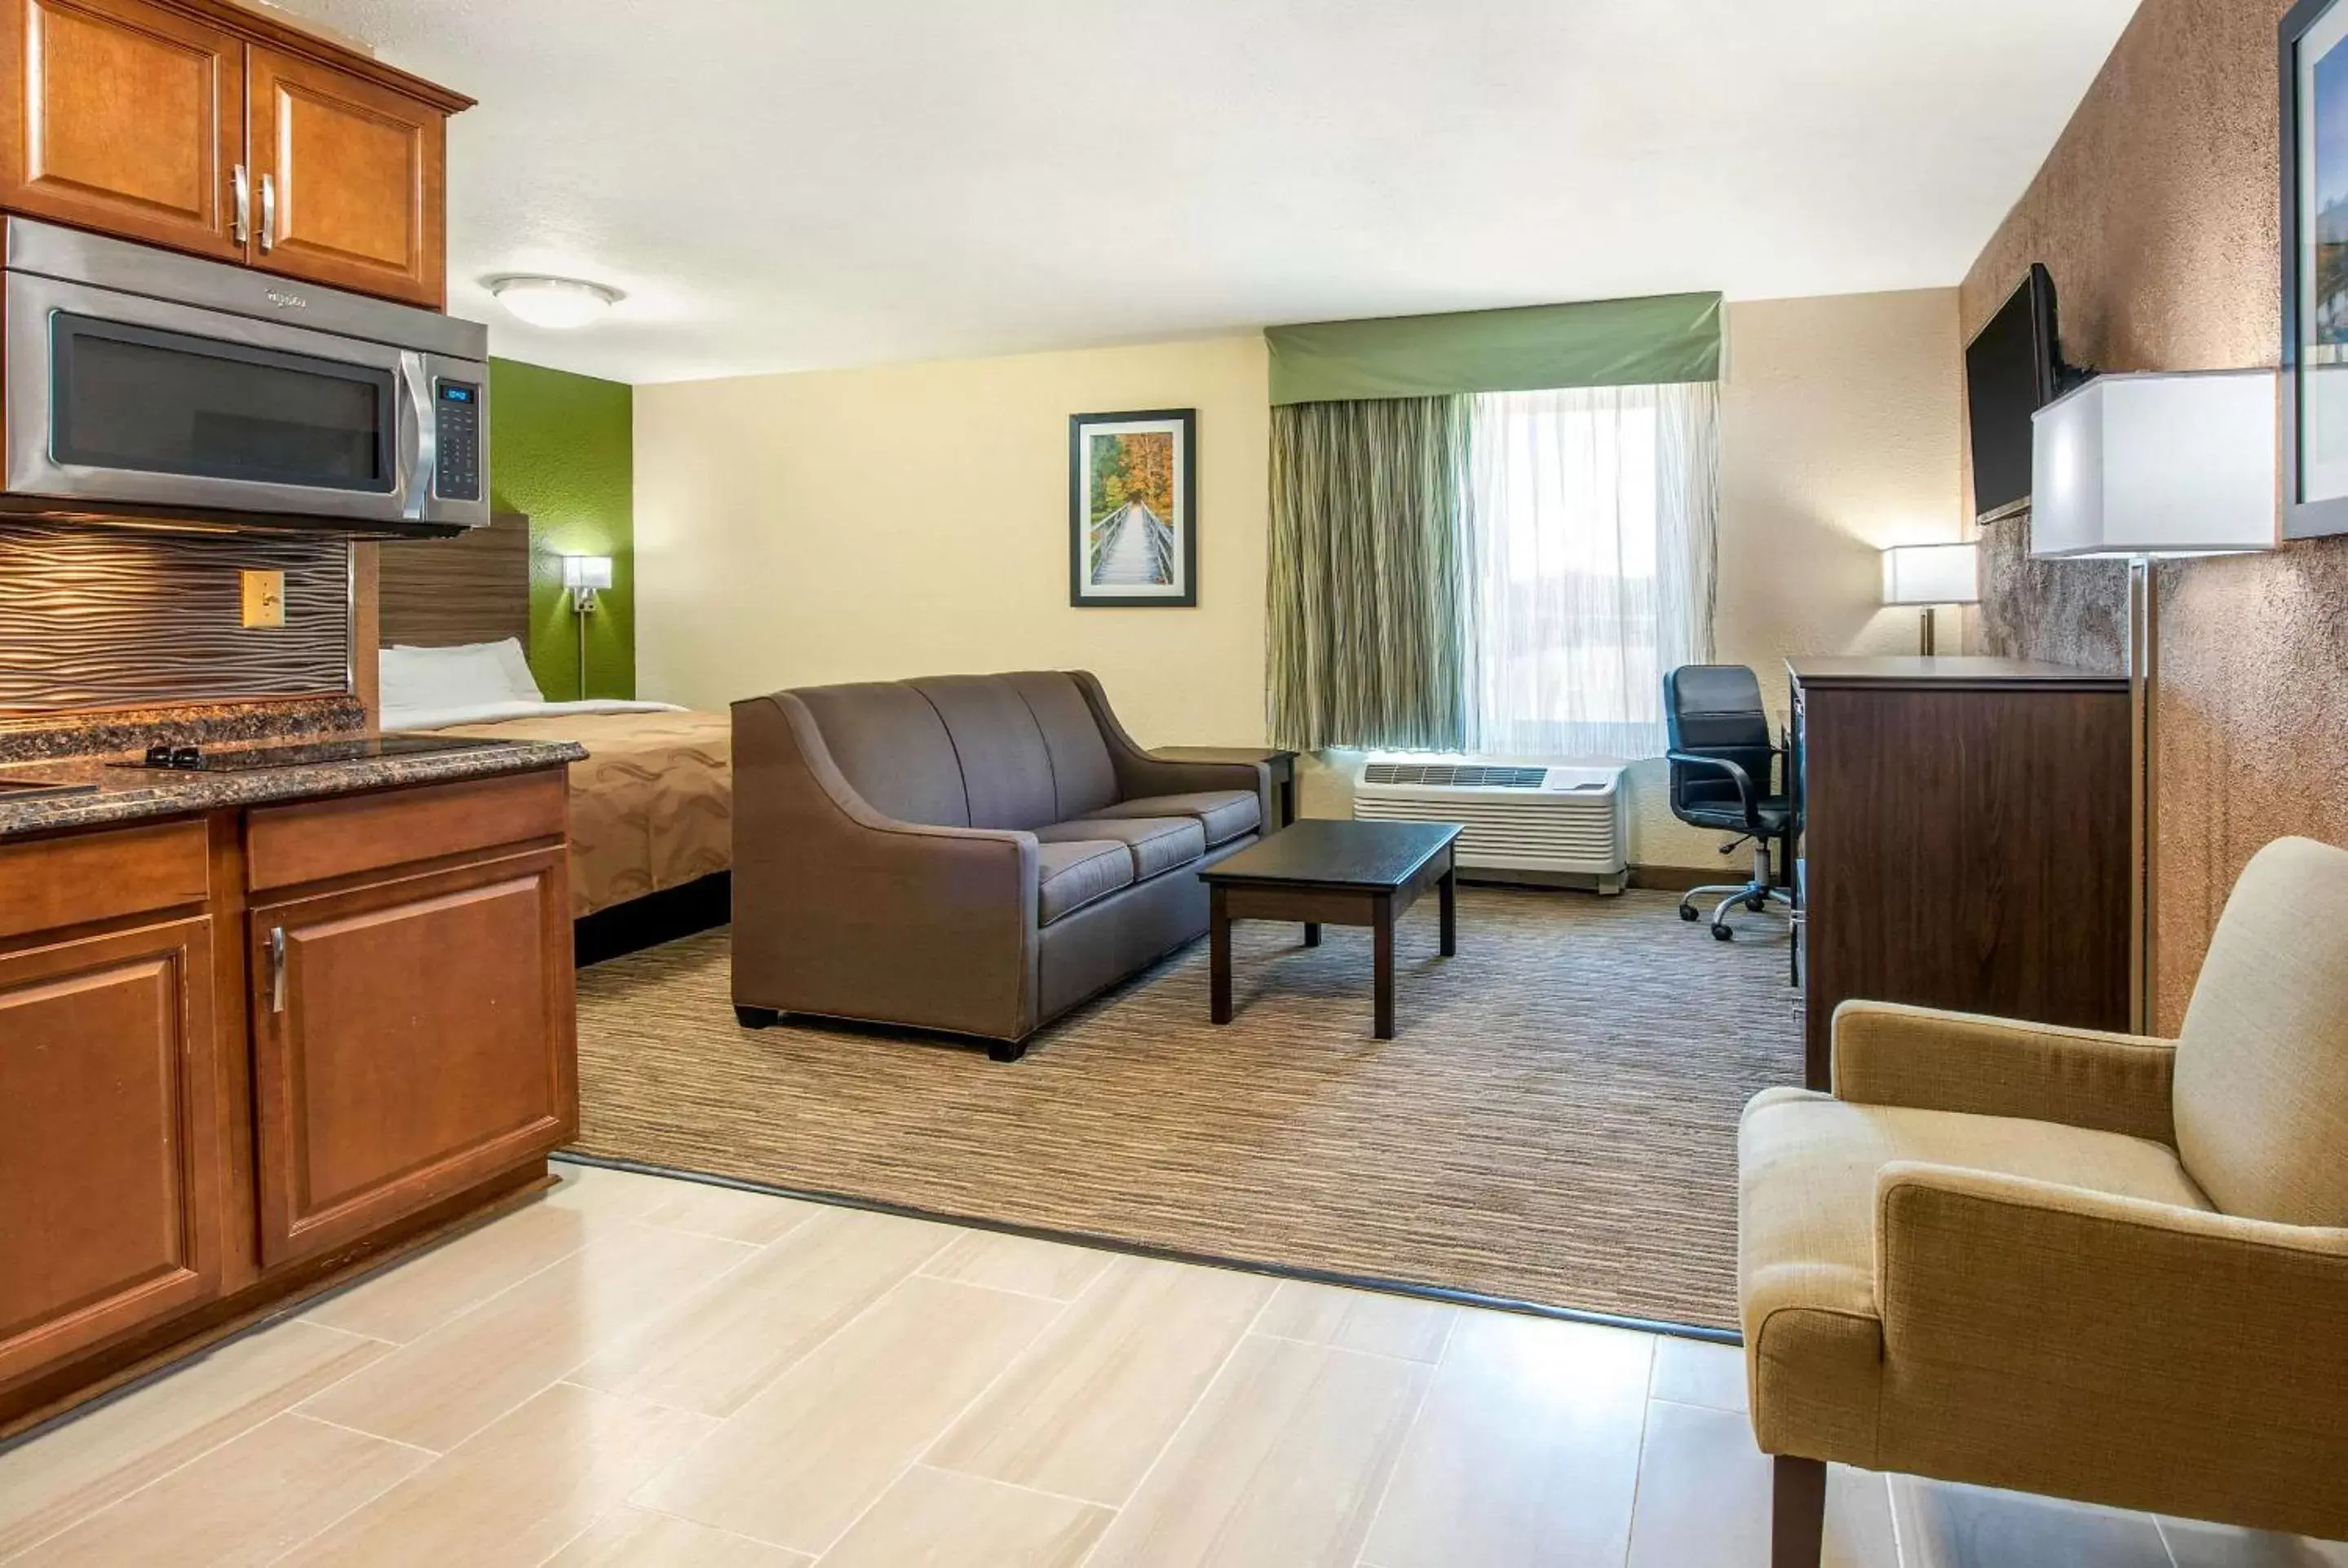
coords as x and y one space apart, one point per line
562 449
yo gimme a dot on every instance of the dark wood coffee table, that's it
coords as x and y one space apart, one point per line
1321 871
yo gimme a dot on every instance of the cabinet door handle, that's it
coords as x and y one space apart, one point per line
242 224
277 968
268 213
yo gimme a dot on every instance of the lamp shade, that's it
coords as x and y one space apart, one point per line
1932 574
2167 463
586 571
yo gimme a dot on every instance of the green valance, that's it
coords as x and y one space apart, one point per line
1599 343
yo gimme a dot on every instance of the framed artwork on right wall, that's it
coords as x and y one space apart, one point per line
2314 50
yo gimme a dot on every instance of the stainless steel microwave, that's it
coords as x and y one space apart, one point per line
146 384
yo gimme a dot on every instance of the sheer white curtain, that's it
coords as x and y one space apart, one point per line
1594 519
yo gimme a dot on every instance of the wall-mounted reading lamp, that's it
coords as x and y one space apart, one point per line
584 576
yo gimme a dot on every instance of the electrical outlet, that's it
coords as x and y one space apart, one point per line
265 599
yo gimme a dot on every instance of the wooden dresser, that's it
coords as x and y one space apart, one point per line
1964 839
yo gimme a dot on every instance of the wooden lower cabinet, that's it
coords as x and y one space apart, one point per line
110 1139
213 1098
411 1037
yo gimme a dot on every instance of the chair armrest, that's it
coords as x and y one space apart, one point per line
1747 792
1887 1054
2110 1348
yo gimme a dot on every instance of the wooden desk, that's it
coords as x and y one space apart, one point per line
1965 839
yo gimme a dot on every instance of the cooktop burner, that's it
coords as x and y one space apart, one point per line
303 753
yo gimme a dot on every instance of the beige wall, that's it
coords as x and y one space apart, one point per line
913 520
863 525
1838 436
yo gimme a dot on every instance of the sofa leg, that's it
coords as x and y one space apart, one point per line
1005 1050
1797 1513
756 1018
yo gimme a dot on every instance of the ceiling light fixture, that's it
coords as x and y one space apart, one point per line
559 305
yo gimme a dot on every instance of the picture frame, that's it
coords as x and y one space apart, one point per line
2313 71
1133 509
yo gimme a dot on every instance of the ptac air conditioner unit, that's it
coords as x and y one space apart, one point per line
1543 823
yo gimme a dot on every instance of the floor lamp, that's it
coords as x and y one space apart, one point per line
584 576
2143 468
1930 576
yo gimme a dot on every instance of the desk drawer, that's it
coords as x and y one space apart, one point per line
317 841
83 877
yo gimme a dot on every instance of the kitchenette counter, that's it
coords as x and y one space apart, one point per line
128 794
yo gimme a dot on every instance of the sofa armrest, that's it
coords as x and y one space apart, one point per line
1140 775
843 911
2110 1348
1886 1054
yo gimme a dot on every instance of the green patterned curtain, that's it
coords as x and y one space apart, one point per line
1370 574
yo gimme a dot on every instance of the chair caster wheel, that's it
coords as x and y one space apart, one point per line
1756 904
1006 1052
1721 933
1687 914
756 1018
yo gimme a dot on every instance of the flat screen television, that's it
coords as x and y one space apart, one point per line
2013 367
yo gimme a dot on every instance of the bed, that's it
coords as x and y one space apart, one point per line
651 807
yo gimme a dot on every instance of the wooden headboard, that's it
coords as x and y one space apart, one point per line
437 594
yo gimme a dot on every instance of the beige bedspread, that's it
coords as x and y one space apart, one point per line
652 807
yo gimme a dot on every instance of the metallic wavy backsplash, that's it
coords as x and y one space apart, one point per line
100 617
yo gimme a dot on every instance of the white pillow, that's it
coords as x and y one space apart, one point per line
460 677
519 679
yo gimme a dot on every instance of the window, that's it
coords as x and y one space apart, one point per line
1592 564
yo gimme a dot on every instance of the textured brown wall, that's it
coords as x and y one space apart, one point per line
2158 213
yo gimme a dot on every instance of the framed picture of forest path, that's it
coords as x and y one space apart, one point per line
1133 508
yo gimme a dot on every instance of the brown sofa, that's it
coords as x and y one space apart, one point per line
973 854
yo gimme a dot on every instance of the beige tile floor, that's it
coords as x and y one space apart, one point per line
634 1371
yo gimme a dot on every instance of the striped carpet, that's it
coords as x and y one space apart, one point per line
1555 1122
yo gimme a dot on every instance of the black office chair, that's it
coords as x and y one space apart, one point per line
1721 775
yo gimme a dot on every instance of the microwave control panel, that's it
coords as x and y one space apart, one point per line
456 440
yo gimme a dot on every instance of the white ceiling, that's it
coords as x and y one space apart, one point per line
782 184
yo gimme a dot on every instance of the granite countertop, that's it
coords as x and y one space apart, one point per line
132 795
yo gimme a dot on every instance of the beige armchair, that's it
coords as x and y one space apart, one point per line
2093 1265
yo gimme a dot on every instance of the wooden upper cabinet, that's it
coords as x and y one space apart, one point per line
134 118
110 1138
125 117
349 177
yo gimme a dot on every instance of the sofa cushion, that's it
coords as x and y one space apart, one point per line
889 742
1006 774
1224 813
1076 872
1083 777
1158 843
1806 1166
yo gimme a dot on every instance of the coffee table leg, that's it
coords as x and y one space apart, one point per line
1448 891
1219 944
1382 966
1311 933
